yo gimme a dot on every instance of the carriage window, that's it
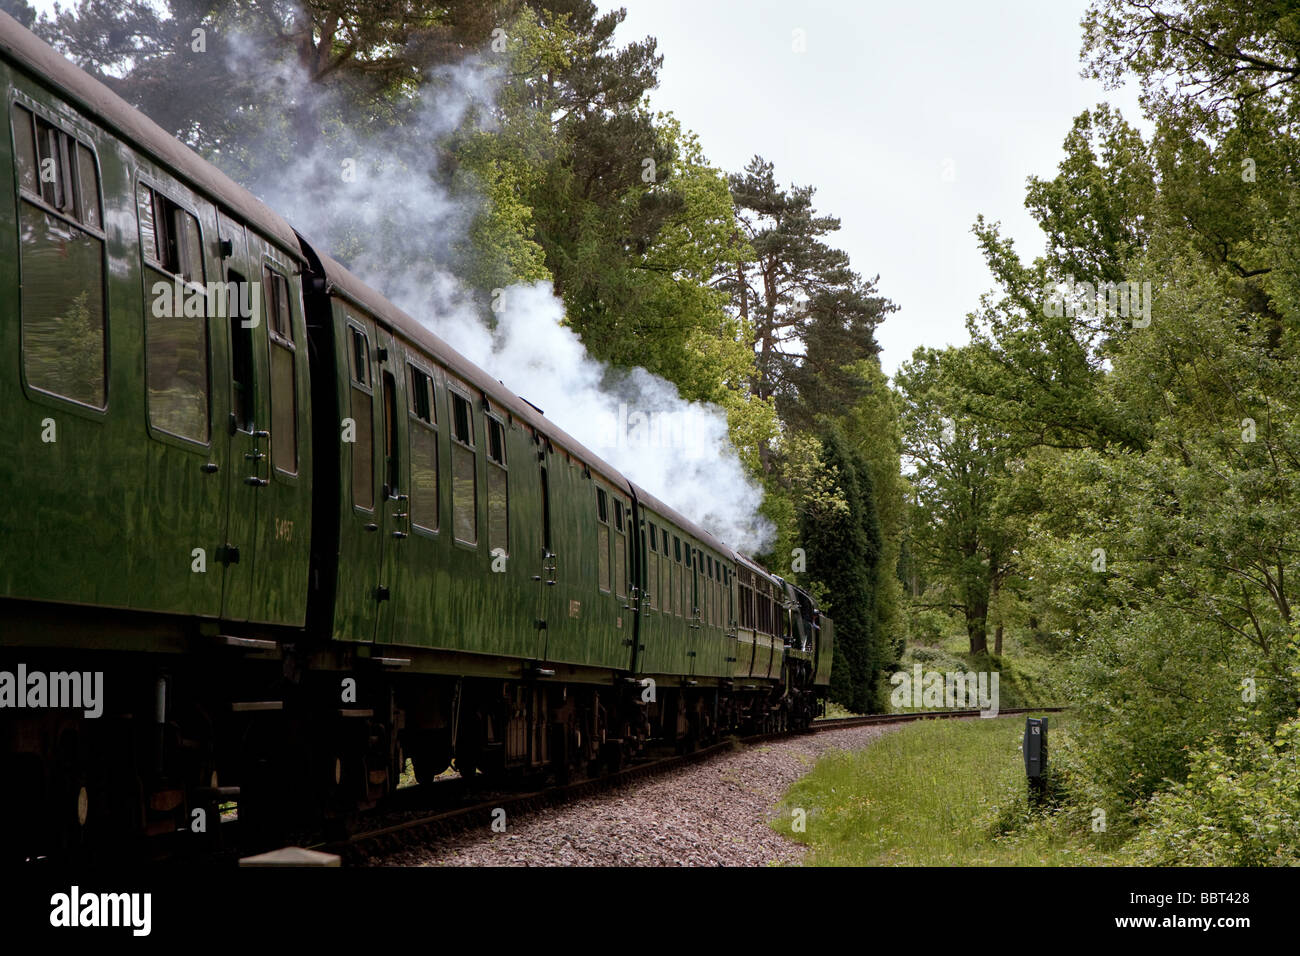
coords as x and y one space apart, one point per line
602 538
284 399
392 460
620 551
25 139
497 488
464 485
56 168
496 441
461 423
169 236
53 174
62 308
360 358
88 187
241 358
421 396
362 408
176 325
424 452
62 265
277 304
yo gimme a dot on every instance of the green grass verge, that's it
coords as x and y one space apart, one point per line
933 793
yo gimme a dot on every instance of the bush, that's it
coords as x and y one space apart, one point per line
1148 694
929 625
1240 806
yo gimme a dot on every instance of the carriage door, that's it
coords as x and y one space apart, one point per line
246 451
693 594
394 499
361 549
732 628
547 574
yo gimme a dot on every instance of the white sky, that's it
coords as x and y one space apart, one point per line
884 96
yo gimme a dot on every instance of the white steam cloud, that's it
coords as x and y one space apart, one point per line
679 451
375 202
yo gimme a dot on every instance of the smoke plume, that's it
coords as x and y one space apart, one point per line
377 203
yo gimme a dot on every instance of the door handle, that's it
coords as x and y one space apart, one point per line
210 468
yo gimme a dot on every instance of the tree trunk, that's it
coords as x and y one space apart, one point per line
994 587
977 627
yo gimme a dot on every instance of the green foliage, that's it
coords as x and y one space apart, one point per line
370 55
504 164
813 318
840 531
1138 477
962 527
1240 806
20 10
872 427
1094 210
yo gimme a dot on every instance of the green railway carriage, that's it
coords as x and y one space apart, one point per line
298 536
686 623
125 412
465 520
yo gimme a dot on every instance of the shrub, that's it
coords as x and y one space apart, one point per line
1240 806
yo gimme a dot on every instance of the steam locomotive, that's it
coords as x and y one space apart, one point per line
264 537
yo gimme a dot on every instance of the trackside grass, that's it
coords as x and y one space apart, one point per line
933 793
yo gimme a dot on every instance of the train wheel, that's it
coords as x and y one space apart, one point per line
430 752
466 765
612 757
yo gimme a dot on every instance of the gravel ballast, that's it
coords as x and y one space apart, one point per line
714 813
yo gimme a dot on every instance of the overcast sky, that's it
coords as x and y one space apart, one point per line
886 97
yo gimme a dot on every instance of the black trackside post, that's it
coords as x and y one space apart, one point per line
1035 749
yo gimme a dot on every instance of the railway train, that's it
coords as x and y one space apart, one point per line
264 537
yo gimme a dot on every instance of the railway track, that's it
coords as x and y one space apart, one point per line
404 828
